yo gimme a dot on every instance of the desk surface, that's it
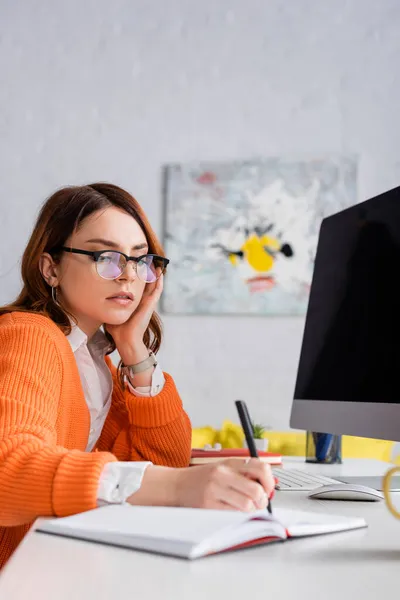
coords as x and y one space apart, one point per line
357 564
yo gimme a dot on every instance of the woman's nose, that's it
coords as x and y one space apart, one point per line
129 272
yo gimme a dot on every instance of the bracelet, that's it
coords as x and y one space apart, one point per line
145 364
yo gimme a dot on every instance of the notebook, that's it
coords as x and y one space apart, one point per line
192 533
200 456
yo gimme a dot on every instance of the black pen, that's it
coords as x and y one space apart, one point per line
248 432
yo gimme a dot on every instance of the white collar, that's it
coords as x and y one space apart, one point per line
77 338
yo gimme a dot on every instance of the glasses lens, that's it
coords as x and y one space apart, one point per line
149 268
110 265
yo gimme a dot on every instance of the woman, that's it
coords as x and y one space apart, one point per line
75 432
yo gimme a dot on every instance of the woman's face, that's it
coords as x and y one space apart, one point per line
80 289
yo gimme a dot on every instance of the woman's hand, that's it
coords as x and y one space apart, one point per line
128 336
233 484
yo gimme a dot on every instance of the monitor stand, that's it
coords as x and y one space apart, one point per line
372 481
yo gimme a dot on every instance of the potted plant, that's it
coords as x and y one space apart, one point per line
258 435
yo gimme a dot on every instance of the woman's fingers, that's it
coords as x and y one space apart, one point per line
159 286
232 484
153 291
259 471
255 469
234 489
150 298
241 492
240 501
236 501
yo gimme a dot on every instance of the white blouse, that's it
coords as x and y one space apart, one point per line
118 479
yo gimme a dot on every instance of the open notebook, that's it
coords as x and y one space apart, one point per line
192 532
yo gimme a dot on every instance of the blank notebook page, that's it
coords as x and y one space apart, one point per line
299 522
181 524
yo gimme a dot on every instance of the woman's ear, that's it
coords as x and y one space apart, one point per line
48 269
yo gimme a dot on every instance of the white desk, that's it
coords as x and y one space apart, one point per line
358 564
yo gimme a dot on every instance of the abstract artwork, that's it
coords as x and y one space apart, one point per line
242 236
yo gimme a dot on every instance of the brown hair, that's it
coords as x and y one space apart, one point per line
59 217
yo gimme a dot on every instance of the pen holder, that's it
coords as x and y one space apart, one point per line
323 448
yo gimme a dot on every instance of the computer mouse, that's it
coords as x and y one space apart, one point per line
346 491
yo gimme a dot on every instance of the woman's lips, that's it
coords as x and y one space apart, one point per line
121 301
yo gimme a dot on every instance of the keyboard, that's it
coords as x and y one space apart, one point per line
295 480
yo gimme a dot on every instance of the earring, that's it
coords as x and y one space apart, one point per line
54 295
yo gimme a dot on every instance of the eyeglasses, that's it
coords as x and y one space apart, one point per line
110 264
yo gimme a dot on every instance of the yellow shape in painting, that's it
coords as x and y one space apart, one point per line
271 242
256 255
233 259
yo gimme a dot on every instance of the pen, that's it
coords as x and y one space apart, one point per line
323 445
247 428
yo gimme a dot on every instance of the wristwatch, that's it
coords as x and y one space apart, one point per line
131 370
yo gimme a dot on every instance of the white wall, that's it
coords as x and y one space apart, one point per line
99 90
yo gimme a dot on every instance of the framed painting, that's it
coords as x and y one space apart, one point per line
241 236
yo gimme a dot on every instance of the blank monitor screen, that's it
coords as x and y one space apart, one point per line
348 379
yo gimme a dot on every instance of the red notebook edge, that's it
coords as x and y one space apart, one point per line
199 453
262 541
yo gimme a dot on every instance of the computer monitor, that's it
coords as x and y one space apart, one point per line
348 379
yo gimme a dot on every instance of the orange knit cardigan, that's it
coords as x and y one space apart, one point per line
44 428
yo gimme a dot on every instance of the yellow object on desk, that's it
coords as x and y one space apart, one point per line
290 443
391 498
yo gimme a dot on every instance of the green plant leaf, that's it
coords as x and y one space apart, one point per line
258 430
